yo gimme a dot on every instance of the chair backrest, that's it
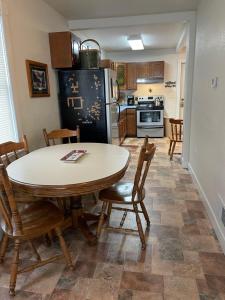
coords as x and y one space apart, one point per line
8 206
10 151
145 157
61 134
176 129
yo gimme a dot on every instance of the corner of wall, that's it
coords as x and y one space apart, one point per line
219 232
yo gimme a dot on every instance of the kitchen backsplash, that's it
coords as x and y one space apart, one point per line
157 89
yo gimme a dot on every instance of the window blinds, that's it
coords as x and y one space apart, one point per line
8 129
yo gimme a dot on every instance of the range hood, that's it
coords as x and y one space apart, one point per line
150 80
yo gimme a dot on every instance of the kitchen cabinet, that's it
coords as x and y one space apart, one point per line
64 49
122 126
107 64
156 69
121 70
128 73
131 128
142 70
131 76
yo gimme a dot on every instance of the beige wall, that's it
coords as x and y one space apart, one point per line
27 23
207 151
170 58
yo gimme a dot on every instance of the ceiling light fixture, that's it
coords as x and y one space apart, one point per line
135 42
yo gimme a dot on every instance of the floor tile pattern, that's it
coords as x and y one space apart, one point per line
183 259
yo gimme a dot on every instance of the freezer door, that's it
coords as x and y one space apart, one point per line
82 102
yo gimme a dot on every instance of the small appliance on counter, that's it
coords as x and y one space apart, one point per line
130 100
150 116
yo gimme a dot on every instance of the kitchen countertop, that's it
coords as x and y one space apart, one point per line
123 107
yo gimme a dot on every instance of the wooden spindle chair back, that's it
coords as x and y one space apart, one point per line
176 129
8 206
61 134
11 151
145 157
27 230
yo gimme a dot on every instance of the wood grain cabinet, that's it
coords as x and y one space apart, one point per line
64 49
143 70
122 126
156 69
131 130
131 76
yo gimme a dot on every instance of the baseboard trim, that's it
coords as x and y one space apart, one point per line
219 232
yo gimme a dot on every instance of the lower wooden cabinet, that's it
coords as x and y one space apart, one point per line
127 124
131 122
122 126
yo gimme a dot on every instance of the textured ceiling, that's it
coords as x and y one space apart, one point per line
157 36
87 9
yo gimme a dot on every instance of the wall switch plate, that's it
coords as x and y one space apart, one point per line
214 82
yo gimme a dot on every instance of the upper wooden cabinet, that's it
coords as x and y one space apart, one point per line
107 64
128 73
131 76
142 70
156 69
64 49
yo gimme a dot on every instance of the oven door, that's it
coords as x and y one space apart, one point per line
149 118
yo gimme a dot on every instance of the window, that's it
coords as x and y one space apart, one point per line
8 129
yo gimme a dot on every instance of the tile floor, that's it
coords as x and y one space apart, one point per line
183 259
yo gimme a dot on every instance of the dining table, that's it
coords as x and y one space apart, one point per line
43 173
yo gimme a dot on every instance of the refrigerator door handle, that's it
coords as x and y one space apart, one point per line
118 90
119 112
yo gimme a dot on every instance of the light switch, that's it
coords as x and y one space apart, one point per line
214 82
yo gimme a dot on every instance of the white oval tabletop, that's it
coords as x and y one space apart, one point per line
43 167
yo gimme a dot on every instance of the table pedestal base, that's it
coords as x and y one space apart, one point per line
80 219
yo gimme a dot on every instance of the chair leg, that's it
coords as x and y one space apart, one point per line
64 248
48 239
109 210
95 197
3 248
14 268
172 150
101 219
145 213
140 229
34 250
170 147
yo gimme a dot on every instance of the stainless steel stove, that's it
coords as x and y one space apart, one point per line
150 116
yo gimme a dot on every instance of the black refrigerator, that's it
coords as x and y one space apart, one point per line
88 98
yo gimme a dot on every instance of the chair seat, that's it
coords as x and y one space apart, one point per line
119 193
38 218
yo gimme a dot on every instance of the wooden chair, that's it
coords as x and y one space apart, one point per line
129 194
35 220
176 135
11 151
61 134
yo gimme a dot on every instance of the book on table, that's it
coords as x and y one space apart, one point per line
73 155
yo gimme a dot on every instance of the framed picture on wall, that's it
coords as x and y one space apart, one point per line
38 82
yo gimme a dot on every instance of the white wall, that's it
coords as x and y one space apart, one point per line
207 150
170 58
27 23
